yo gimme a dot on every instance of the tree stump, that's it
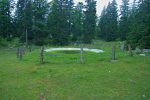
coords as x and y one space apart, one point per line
130 50
42 55
113 53
82 55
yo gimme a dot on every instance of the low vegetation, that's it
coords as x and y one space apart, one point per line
62 77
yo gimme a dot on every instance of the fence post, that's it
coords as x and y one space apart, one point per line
20 53
42 55
122 47
23 51
30 49
42 97
130 50
17 52
113 53
82 55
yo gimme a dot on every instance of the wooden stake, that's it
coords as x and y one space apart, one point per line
30 49
42 97
20 53
17 52
23 51
113 53
42 55
82 55
130 50
26 38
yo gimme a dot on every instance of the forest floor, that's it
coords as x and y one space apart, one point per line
62 77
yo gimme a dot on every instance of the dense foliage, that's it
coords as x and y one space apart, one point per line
61 22
108 22
132 24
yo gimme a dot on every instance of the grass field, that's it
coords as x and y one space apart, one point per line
62 77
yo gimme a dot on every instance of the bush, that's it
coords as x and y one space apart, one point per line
13 43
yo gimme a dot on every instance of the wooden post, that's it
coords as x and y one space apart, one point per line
113 53
17 52
122 47
42 97
26 38
23 51
42 55
130 50
20 53
82 55
30 49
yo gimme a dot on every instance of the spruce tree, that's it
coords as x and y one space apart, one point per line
59 22
5 19
123 24
108 22
89 21
102 24
40 12
138 34
23 18
114 21
77 22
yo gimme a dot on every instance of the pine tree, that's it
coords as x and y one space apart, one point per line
144 9
138 34
5 19
114 21
23 18
59 22
108 22
123 24
89 21
78 22
40 12
102 24
133 35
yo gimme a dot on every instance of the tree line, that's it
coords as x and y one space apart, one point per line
61 22
130 24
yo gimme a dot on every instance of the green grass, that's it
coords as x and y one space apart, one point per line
62 77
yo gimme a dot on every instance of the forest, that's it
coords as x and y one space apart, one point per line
61 22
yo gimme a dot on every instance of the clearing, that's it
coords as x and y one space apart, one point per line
62 77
